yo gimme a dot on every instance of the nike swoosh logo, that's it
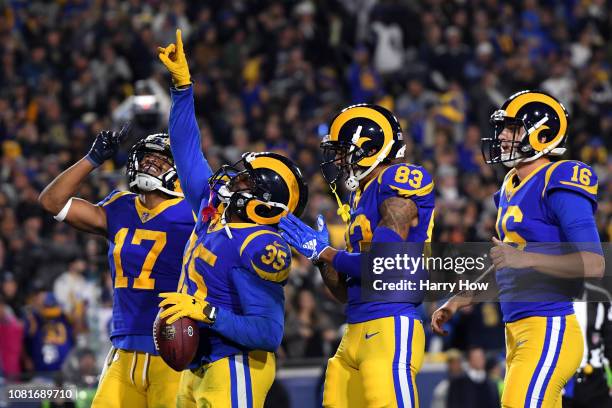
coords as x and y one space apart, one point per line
367 336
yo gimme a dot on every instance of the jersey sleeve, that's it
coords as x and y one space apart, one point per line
191 165
112 197
260 325
573 176
407 181
266 254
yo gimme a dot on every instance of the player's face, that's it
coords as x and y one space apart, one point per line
510 136
240 183
155 164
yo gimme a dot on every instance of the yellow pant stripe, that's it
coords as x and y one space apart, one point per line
376 364
250 377
555 327
543 353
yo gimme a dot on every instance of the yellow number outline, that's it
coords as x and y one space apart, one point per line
143 280
414 177
516 214
275 257
203 253
365 227
584 176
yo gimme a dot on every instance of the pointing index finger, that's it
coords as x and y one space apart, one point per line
179 40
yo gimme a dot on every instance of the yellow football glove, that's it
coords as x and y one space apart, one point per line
185 305
173 57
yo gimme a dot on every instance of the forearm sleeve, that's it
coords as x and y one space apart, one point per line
574 214
193 169
260 326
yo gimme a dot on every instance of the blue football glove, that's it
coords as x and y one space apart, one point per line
303 238
106 145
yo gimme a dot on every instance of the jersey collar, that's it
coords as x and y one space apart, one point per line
145 214
509 187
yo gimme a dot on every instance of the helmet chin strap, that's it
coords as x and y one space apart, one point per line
225 196
352 181
147 183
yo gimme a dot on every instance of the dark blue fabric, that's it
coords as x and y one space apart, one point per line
574 214
349 263
193 169
260 326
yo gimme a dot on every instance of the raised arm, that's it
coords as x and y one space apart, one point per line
192 167
57 198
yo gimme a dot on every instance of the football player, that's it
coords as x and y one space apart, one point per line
147 229
391 201
236 263
540 201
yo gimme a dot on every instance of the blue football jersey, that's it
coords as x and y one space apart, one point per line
48 340
399 180
145 255
525 219
210 263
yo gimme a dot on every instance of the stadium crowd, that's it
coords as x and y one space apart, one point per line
270 75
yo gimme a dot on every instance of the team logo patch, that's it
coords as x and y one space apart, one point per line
168 332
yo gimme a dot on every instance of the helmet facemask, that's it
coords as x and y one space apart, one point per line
507 150
341 161
239 186
141 179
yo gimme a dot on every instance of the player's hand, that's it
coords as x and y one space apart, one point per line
106 145
173 57
184 305
440 317
303 238
507 256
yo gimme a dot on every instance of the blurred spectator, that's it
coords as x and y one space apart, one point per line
308 332
49 335
11 342
72 291
80 369
474 389
364 81
454 370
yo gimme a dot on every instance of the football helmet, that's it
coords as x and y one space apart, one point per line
140 181
360 138
538 124
260 188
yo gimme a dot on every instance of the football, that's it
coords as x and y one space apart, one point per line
177 343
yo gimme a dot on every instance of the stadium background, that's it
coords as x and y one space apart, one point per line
269 75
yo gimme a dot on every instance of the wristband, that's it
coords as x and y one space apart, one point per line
210 312
63 212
